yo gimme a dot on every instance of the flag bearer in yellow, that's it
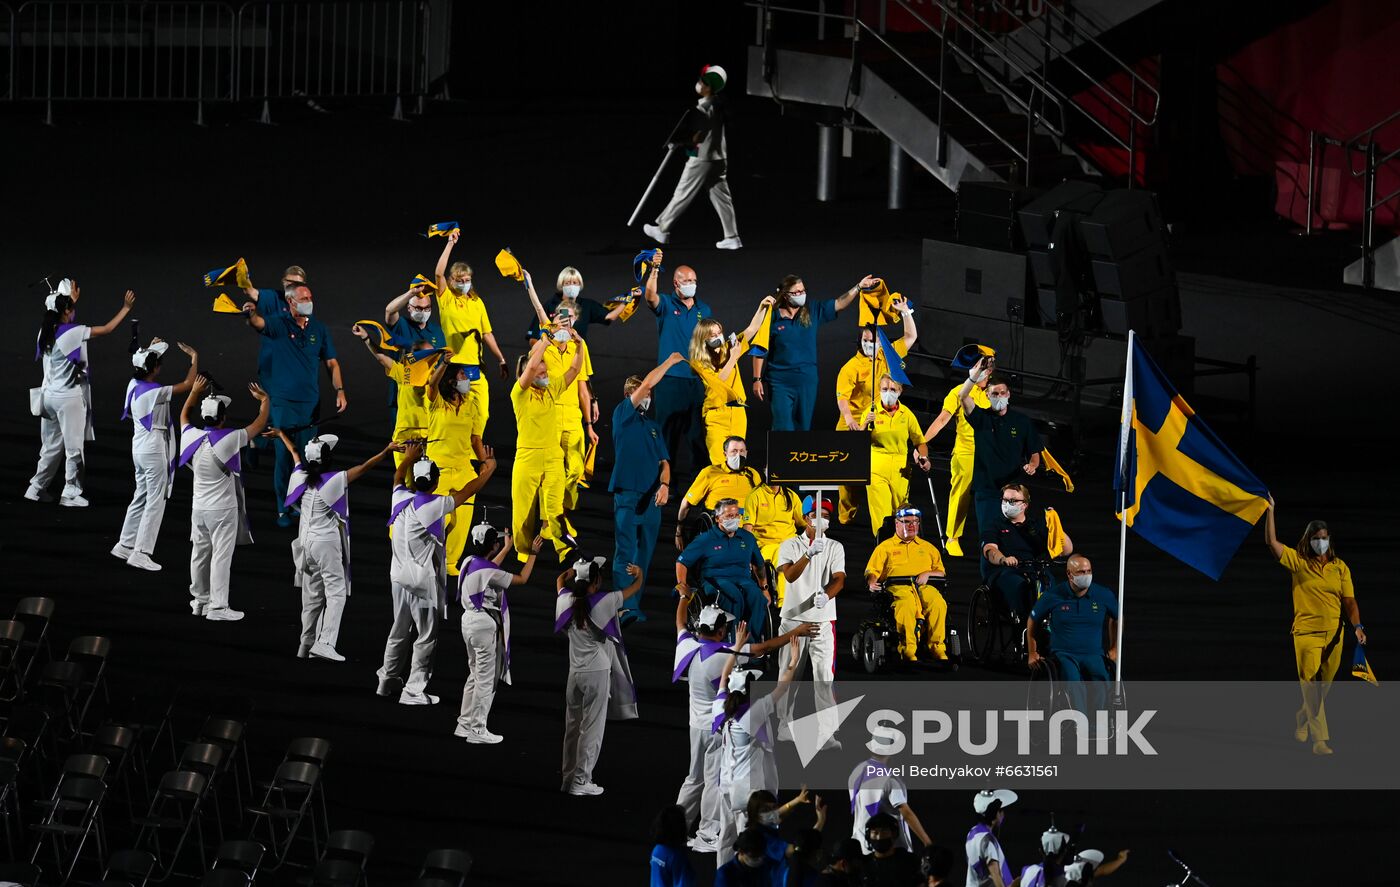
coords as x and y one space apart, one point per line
893 429
537 478
1322 593
453 442
774 515
960 468
573 408
854 383
467 326
904 563
411 378
715 360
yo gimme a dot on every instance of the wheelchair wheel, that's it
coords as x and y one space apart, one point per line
872 652
982 626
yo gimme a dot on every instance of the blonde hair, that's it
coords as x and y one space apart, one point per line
881 381
570 274
294 271
700 353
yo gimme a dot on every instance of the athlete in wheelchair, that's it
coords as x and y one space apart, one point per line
1018 550
1075 615
724 563
900 574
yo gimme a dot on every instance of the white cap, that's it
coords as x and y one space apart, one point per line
65 287
1076 871
317 447
479 532
139 358
739 679
1094 857
1052 840
710 617
209 407
984 799
581 567
423 468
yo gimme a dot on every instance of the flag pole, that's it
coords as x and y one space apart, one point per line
1123 509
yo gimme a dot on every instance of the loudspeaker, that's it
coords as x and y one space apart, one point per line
987 231
990 198
1124 223
971 280
1156 313
1133 275
1038 217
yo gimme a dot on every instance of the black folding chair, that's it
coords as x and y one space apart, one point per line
451 866
11 660
133 867
174 811
35 613
243 857
289 800
117 744
91 653
23 873
70 822
60 692
207 760
229 735
352 846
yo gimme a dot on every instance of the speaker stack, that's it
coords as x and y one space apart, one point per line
1048 225
1126 246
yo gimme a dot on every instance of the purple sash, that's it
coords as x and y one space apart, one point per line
603 607
980 867
862 774
688 646
477 602
403 499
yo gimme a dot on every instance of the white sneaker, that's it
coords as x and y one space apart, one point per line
222 614
121 552
74 501
142 561
655 233
407 698
198 607
325 651
303 651
730 243
585 789
482 737
702 845
387 686
35 494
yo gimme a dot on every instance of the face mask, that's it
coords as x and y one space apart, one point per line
713 344
687 290
797 301
1000 403
420 316
1011 510
561 335
1083 580
820 523
750 862
867 348
735 462
882 845
571 290
461 288
541 382
769 818
464 386
889 398
1320 546
304 309
729 525
646 404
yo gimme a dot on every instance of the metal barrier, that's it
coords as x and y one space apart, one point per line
1366 143
200 52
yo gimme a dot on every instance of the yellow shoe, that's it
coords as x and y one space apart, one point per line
1301 734
954 549
1321 748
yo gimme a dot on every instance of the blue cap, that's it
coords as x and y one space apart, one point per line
968 355
909 511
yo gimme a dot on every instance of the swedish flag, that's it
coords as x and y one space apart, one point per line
218 276
893 362
442 229
1177 484
1360 668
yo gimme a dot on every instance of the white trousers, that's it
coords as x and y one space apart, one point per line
62 432
479 633
147 508
819 653
734 818
411 614
323 591
697 174
213 536
700 794
585 716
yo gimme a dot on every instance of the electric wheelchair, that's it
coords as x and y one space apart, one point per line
876 642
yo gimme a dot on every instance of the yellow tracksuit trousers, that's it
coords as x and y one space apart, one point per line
888 487
537 500
909 605
719 424
1318 654
959 498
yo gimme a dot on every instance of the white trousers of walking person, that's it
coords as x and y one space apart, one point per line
213 536
710 175
63 424
700 792
147 509
585 716
479 633
411 614
323 592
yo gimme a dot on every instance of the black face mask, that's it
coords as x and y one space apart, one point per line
882 845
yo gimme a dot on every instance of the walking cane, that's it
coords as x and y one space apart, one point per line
937 517
671 147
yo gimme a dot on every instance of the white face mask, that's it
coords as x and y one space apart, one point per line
646 404
420 315
571 290
729 525
797 301
561 334
735 462
464 386
1010 510
1083 580
1000 403
541 381
304 309
889 398
687 290
1320 546
819 523
867 348
462 287
771 817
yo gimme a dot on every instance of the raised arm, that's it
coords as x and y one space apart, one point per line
440 273
759 315
849 296
264 407
524 576
286 442
430 391
196 392
127 301
911 332
532 365
965 392
1271 532
649 291
396 304
535 302
358 471
193 373
488 468
653 378
255 320
363 335
577 366
412 452
637 576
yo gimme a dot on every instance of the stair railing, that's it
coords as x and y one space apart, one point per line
1368 146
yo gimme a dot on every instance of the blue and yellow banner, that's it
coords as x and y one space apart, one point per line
1176 483
1360 668
220 276
894 361
443 229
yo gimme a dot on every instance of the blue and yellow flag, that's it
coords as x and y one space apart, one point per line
423 281
219 276
224 305
386 341
1360 668
875 305
443 229
1177 484
894 363
763 335
632 298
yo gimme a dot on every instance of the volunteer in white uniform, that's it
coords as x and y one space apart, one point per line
418 571
153 443
481 590
701 657
745 727
218 511
321 550
814 566
874 790
600 685
64 402
986 862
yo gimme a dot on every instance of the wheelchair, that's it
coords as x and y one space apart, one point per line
996 637
709 592
876 643
1048 690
